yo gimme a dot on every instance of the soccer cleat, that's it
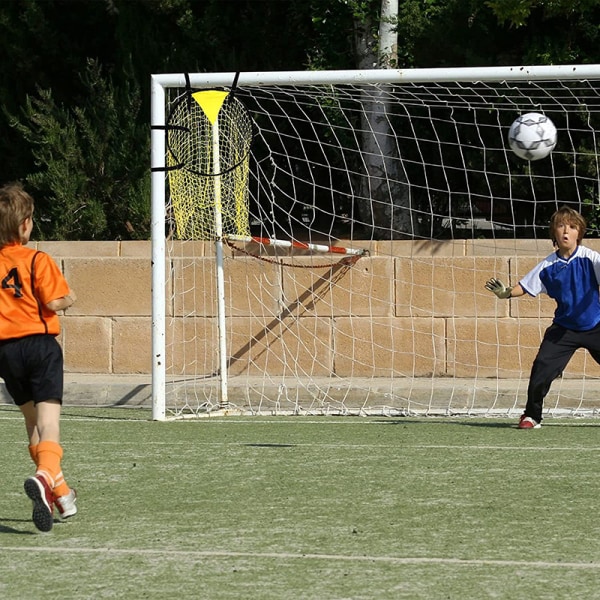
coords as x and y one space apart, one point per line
39 492
526 422
66 504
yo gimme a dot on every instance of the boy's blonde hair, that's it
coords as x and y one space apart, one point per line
571 217
16 205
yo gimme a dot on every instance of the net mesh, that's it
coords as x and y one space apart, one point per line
422 177
203 128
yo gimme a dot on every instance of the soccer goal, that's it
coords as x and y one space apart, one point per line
321 240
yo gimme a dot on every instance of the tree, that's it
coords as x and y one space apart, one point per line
47 47
79 135
87 184
384 199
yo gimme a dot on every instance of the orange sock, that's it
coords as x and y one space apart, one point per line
49 455
33 450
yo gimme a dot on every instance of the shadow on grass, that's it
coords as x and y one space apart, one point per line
101 414
574 423
6 529
98 413
509 424
449 421
266 445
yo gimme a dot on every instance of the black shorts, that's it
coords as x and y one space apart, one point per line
32 368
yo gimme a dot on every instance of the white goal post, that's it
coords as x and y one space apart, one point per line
321 239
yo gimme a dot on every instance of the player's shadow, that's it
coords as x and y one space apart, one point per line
7 529
492 425
510 424
269 445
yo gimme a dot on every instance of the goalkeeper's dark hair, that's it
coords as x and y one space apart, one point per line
16 205
571 217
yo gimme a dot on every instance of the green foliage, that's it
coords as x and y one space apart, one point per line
552 31
82 141
518 12
331 51
415 18
92 180
514 11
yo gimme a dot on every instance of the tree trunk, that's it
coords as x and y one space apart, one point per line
384 195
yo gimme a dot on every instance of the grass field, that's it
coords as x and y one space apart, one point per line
308 508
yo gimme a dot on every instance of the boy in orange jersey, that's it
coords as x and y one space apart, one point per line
31 362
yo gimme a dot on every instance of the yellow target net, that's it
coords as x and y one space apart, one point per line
209 134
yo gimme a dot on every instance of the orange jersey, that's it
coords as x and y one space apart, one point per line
30 279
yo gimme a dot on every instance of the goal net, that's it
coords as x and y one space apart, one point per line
321 240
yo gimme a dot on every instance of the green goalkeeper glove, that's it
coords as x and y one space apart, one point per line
497 287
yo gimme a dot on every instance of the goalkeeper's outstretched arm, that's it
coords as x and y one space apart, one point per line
503 291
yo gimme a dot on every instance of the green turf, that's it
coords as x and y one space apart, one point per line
302 507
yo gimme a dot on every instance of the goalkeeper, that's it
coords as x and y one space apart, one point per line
570 276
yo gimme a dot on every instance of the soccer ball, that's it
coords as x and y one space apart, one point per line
532 136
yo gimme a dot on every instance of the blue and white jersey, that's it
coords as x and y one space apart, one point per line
573 283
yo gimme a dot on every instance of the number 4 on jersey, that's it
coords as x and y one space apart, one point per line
13 281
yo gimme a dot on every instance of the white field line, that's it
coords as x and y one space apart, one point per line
394 560
326 420
290 445
14 415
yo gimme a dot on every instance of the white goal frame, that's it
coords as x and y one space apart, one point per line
160 83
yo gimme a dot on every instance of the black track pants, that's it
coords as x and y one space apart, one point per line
557 348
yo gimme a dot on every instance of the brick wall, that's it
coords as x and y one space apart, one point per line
453 322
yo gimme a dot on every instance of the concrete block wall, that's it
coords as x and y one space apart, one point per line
108 329
427 297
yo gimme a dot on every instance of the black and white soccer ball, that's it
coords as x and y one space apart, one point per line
532 136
